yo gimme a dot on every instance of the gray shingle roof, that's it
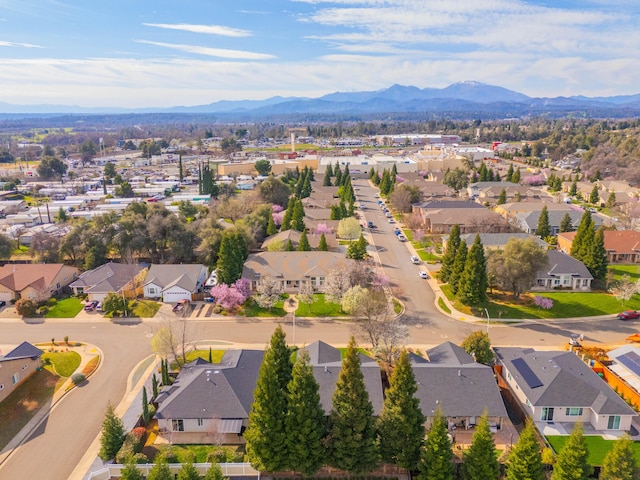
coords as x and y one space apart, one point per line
183 275
24 350
562 264
292 265
110 277
566 381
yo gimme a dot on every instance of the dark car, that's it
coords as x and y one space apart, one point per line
371 225
2 303
628 315
91 306
180 305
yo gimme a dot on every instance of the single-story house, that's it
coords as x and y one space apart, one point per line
110 277
622 246
494 241
327 364
37 281
212 400
563 271
293 268
174 282
281 239
452 381
556 386
490 191
439 216
528 222
18 365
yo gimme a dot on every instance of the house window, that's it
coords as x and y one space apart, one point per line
547 414
14 378
177 425
614 422
152 291
200 422
320 281
556 281
574 412
541 282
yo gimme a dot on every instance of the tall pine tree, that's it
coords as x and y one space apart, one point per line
480 462
619 462
458 267
572 461
303 244
112 435
566 224
437 454
297 219
401 422
543 229
231 256
525 459
266 435
472 287
305 422
502 198
351 442
596 259
271 226
288 214
322 244
450 255
584 235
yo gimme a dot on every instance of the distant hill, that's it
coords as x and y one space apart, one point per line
468 99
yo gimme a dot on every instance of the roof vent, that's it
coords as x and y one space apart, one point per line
459 374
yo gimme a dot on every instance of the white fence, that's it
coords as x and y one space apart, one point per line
228 470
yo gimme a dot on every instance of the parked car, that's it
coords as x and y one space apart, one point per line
397 231
99 307
371 225
402 237
423 275
628 315
2 303
391 220
180 305
91 306
415 260
388 214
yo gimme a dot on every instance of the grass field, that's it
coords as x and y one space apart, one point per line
62 363
319 308
598 447
620 270
252 309
145 308
65 308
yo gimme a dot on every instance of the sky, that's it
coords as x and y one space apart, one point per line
161 53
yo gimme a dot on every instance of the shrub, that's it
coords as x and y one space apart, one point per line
133 443
78 378
140 458
217 456
166 454
26 307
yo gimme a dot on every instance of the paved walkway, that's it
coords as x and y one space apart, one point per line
87 353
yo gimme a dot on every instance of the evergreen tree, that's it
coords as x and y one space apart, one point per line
478 345
338 175
145 407
525 459
497 177
543 229
458 267
585 229
351 442
502 199
288 214
509 173
450 255
160 471
154 386
214 473
322 244
180 172
573 191
619 462
480 462
297 219
336 212
571 463
327 179
231 256
266 435
566 224
385 182
357 250
611 201
131 472
303 245
515 178
329 171
304 423
372 173
394 172
594 198
271 226
472 286
188 472
401 422
112 435
210 355
346 175
289 246
437 454
596 259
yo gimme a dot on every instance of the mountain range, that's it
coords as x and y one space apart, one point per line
463 99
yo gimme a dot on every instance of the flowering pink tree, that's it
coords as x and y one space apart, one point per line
243 285
322 228
277 218
275 208
533 180
230 297
543 302
399 179
380 280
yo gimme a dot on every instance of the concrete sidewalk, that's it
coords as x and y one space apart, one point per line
87 353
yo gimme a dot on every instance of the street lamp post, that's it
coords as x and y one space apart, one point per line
293 314
487 312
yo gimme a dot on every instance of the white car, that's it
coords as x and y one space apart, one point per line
401 237
376 195
423 275
391 220
415 260
388 214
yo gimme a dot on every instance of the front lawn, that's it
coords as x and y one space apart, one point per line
319 308
62 363
18 408
216 357
65 308
620 270
252 309
145 308
598 447
565 305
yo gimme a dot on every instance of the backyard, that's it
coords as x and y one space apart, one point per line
598 447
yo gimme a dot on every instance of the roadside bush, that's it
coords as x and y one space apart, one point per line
26 307
133 443
78 378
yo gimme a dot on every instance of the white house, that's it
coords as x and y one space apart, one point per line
171 283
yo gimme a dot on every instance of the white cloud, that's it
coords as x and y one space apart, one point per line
211 52
208 29
16 44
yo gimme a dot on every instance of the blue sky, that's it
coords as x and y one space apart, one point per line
138 53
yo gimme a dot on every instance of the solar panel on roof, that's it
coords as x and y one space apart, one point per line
527 374
628 362
634 356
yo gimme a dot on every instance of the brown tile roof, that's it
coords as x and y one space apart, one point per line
618 241
17 277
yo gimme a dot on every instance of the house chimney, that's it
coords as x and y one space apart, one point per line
459 373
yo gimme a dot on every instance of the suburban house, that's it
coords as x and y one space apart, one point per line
509 210
293 268
563 272
18 365
452 381
494 241
174 282
210 403
557 389
327 363
622 246
110 277
622 372
528 222
439 216
280 240
490 191
38 281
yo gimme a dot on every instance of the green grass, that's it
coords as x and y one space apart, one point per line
65 308
185 452
22 404
252 309
620 270
62 363
428 257
408 233
397 306
598 447
145 308
565 305
443 305
216 357
319 308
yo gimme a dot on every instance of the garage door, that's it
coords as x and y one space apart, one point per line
174 296
6 296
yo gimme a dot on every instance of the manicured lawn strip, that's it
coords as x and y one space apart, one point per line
64 363
145 308
408 233
443 305
565 305
319 308
252 309
598 447
397 306
65 308
620 270
91 365
216 355
18 408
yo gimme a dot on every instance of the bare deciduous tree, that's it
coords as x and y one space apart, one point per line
625 288
268 292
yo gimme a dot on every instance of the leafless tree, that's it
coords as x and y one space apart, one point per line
268 292
173 339
336 284
305 294
625 288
